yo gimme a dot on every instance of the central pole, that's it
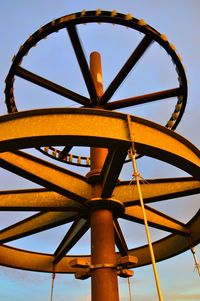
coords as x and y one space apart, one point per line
103 258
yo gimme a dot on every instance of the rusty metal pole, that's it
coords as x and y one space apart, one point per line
103 258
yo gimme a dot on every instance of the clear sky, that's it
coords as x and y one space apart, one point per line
179 21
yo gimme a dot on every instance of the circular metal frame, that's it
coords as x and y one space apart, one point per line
70 22
71 192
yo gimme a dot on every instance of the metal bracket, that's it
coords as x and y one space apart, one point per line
123 267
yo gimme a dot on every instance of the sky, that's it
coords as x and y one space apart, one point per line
179 21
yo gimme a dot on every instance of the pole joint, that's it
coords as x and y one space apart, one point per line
122 267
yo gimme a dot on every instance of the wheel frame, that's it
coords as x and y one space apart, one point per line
69 22
164 248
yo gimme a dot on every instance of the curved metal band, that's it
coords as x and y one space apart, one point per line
167 247
28 129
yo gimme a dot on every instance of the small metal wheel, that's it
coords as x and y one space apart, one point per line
71 22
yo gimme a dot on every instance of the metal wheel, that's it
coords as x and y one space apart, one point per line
70 22
67 197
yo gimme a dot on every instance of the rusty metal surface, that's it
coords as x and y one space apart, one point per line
170 246
46 174
72 190
104 282
28 129
97 200
156 219
76 231
37 200
119 239
156 190
36 223
69 22
104 279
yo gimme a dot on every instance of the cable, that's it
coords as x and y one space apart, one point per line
130 291
137 177
197 266
52 285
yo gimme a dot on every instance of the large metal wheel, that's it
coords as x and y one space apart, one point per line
71 22
67 196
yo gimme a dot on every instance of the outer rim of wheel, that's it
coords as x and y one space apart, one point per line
44 262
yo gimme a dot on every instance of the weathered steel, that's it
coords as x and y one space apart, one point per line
119 239
111 170
24 129
137 100
167 247
104 284
171 245
37 200
28 129
76 231
70 22
44 83
82 61
72 194
36 223
104 279
156 219
65 151
42 199
96 73
46 174
156 190
33 261
127 67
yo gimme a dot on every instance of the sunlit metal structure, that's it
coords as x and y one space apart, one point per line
99 198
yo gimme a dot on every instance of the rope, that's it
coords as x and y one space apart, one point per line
129 288
52 285
132 154
197 266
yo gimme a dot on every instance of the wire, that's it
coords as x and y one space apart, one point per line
197 266
130 291
52 285
137 177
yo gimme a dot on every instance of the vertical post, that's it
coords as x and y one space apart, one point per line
103 259
97 155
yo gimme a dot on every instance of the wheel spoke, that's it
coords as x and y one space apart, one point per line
137 100
111 170
119 239
34 224
77 230
155 219
127 67
36 200
46 174
82 61
65 151
156 190
44 83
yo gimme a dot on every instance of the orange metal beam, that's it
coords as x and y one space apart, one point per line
103 278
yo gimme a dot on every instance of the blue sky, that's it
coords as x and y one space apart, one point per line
179 21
